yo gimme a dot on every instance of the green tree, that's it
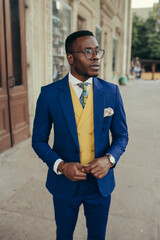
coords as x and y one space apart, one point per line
145 38
136 35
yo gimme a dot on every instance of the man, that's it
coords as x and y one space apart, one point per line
82 159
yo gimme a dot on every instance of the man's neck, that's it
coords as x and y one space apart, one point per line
79 77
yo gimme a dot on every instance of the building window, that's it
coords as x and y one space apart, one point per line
114 56
81 23
157 68
61 28
148 67
99 35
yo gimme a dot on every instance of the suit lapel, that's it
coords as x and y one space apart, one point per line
67 107
98 106
78 109
65 100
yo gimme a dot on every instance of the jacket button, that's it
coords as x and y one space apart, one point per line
76 151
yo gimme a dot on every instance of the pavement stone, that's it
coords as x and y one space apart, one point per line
26 208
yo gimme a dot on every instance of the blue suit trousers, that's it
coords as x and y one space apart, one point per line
96 209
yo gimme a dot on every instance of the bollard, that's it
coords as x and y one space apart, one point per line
123 80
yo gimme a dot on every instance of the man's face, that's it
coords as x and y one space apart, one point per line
81 67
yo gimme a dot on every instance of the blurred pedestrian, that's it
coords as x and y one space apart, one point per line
132 68
137 68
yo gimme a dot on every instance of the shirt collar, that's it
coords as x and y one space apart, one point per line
74 81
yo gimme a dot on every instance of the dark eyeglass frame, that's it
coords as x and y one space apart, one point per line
93 51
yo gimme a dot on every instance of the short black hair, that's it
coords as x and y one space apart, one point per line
72 38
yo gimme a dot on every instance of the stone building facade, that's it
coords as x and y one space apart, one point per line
42 26
111 17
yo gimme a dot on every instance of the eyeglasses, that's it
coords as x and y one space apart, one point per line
89 53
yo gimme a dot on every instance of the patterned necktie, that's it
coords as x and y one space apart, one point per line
84 95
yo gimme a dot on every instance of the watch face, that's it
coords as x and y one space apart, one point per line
112 160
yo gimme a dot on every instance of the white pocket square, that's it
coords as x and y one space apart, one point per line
108 112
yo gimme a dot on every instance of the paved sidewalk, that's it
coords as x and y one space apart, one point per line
26 211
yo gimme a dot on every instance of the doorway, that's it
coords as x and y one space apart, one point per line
14 117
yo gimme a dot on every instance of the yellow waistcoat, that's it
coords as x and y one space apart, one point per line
85 126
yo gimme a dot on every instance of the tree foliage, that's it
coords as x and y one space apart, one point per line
145 38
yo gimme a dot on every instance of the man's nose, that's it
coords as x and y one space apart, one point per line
95 55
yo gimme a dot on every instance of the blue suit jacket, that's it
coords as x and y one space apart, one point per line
54 106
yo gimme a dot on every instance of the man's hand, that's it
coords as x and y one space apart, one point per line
73 171
99 167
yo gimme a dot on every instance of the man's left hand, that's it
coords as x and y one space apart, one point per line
99 167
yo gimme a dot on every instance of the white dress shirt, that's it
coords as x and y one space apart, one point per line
74 82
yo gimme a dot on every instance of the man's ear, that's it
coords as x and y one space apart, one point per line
70 58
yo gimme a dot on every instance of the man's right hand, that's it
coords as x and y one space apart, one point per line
73 171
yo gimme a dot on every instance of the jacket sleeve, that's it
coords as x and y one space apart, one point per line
119 130
41 131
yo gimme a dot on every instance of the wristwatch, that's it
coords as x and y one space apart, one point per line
111 159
